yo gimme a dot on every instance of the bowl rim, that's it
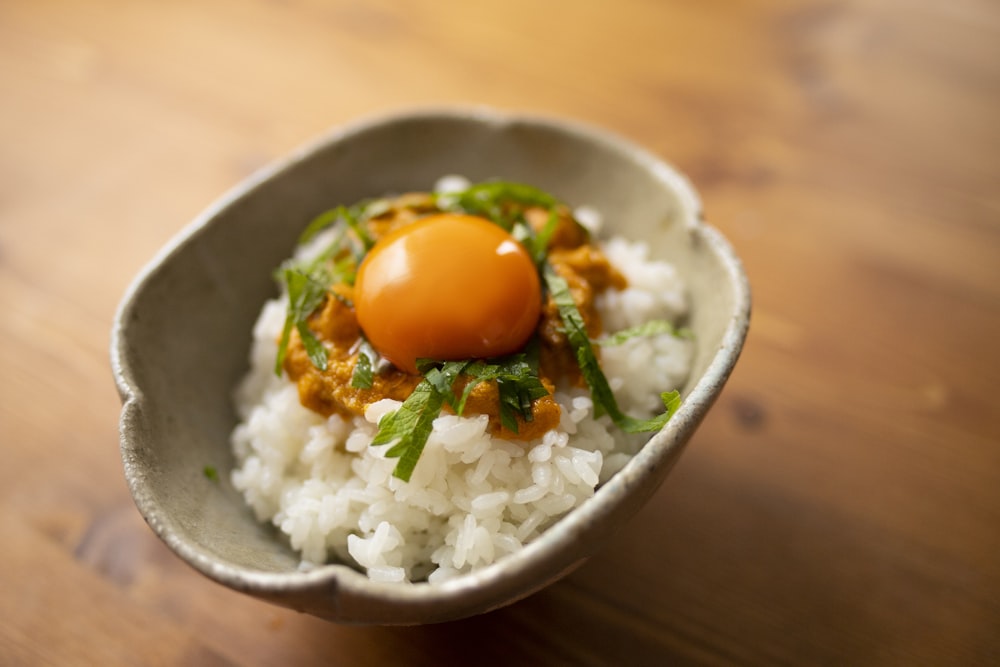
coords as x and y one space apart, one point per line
340 579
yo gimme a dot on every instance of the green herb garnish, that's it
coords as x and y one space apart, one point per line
517 381
363 374
211 473
600 391
307 283
650 328
411 424
494 199
537 244
305 293
319 223
353 216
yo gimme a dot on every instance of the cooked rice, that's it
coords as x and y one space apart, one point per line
472 498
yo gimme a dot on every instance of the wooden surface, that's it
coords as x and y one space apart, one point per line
840 505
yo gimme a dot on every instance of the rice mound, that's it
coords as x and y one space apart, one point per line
472 498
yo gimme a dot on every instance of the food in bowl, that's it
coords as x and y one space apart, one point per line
448 373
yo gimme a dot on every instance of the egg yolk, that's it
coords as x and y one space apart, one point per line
447 287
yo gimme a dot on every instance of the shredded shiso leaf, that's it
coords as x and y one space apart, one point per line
650 328
409 427
364 368
305 294
492 200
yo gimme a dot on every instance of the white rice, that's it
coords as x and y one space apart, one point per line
472 499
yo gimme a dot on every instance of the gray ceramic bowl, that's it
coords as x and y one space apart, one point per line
182 333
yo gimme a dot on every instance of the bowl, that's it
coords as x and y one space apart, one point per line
181 337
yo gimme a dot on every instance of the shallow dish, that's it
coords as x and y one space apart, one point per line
181 336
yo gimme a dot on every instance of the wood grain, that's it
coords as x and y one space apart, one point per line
839 506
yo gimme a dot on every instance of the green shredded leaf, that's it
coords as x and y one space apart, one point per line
536 243
364 368
305 294
519 386
409 427
343 271
307 283
319 223
600 391
517 381
314 348
493 200
372 208
442 377
334 264
510 404
540 248
211 473
650 328
476 373
353 216
671 403
354 221
321 260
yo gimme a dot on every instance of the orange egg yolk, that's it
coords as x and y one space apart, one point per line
447 287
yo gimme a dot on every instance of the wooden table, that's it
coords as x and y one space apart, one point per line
840 505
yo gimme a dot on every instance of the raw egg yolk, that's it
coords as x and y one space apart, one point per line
447 287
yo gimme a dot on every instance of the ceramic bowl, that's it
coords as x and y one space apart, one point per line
182 333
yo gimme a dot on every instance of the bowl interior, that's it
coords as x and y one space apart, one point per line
182 336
